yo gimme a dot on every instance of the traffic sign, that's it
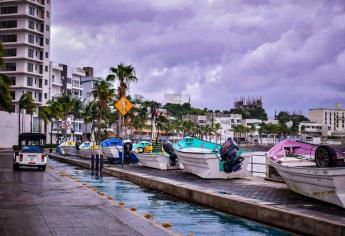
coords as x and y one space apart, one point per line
123 105
65 124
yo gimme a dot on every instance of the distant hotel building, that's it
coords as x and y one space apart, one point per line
25 35
176 98
335 118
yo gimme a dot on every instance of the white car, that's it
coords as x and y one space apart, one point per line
30 152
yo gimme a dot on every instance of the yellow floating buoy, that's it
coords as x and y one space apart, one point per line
110 198
191 234
95 190
121 204
101 193
133 209
148 216
167 225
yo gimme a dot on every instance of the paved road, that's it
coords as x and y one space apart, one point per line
45 203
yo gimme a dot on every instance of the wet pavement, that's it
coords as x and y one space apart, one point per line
48 203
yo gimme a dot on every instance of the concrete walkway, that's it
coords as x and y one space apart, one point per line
46 203
263 201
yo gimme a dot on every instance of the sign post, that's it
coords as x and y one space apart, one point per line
123 105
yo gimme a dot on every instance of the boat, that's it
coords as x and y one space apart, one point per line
155 156
210 160
67 148
86 149
111 148
316 171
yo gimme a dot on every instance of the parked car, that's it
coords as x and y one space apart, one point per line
30 152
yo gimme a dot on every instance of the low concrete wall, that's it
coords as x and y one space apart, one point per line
236 205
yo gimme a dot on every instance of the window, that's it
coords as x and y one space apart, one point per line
9 10
41 55
31 25
46 68
10 52
45 82
48 1
48 14
13 80
41 69
31 39
30 67
10 66
9 38
47 27
13 95
47 55
47 41
30 52
32 11
29 81
8 24
40 83
45 95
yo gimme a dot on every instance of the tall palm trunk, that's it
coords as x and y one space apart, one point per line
51 132
31 122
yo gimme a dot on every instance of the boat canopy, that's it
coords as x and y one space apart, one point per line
111 142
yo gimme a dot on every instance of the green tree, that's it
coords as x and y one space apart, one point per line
57 113
45 114
28 103
89 113
5 87
104 95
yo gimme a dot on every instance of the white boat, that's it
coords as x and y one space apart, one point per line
86 149
203 159
111 148
67 148
156 160
303 176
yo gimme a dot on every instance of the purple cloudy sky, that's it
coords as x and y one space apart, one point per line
290 52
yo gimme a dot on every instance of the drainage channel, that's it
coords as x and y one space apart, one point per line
185 218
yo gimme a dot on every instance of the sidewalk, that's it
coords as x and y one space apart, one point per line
45 203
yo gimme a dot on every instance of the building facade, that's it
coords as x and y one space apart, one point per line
66 80
335 118
227 122
25 35
176 98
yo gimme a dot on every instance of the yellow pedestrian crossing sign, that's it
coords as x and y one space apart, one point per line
123 105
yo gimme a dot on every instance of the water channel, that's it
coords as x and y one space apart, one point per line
185 217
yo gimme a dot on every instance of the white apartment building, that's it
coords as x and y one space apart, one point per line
313 132
335 118
66 80
227 122
25 36
89 83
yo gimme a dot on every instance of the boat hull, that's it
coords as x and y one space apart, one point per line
88 153
206 165
156 160
325 184
68 150
111 152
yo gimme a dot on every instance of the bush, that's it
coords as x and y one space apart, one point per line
15 148
49 145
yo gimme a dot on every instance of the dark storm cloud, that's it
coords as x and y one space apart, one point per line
292 53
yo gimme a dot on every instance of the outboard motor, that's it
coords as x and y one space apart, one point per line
168 148
229 156
127 151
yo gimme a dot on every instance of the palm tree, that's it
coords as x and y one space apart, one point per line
5 87
45 114
153 107
89 113
26 102
125 75
216 128
57 113
104 94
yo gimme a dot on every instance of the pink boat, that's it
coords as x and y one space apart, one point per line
311 170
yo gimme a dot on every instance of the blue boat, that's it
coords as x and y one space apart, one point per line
210 160
112 150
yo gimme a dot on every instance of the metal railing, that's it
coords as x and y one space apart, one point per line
257 164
